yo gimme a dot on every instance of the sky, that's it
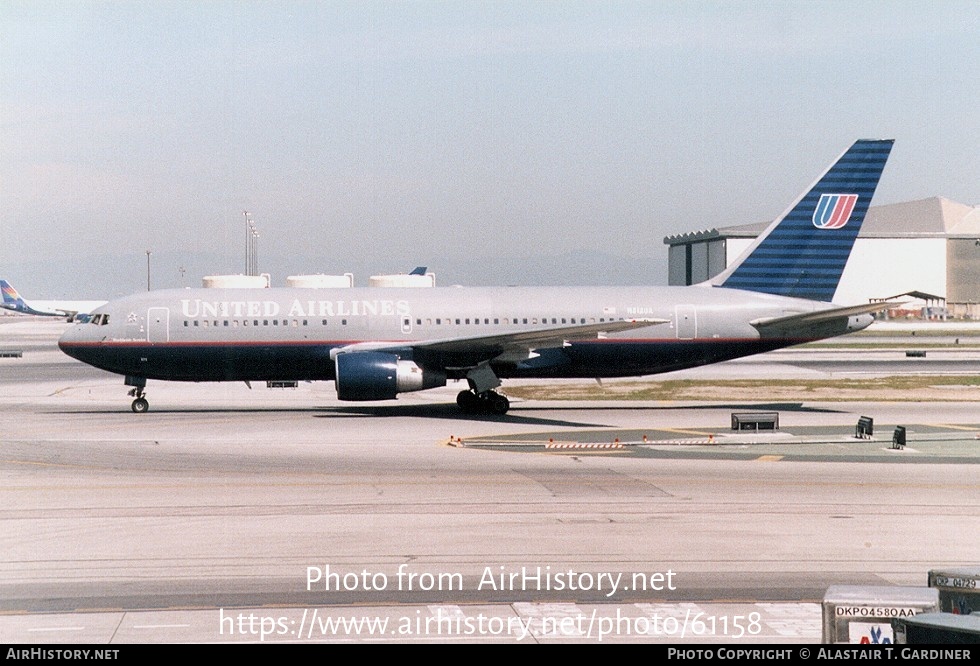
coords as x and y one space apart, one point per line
495 142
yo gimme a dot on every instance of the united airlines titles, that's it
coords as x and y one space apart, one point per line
197 307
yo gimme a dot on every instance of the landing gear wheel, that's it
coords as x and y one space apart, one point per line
498 404
468 402
140 404
488 402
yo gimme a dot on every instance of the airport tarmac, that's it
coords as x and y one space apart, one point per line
229 514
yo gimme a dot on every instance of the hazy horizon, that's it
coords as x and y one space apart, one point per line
496 142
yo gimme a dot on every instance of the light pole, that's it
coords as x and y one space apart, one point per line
248 243
251 245
147 270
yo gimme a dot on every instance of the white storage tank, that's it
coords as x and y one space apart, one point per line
321 281
237 281
403 280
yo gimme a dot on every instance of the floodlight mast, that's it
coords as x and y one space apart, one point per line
251 245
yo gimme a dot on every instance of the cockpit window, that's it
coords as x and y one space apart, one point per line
100 319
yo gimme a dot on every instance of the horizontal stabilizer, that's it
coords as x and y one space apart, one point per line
803 319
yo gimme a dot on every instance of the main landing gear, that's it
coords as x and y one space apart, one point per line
487 402
481 398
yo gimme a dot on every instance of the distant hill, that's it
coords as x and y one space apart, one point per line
106 277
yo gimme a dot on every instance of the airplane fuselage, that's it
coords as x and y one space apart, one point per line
378 342
289 334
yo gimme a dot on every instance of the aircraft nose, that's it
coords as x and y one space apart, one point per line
69 340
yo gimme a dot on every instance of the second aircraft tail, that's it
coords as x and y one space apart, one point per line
11 299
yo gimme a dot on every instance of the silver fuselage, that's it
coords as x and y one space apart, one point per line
289 333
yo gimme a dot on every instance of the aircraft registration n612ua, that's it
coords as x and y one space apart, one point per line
376 343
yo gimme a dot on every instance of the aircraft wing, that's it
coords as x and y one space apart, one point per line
805 319
518 345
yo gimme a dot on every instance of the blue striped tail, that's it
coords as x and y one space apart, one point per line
803 253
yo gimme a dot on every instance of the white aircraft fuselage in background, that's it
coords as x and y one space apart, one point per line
70 310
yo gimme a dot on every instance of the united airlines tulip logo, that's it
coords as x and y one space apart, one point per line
833 210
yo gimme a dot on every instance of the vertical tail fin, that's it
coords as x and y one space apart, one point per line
11 299
803 253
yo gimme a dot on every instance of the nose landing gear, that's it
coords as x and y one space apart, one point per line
140 404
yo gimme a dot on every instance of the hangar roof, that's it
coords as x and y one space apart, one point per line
935 217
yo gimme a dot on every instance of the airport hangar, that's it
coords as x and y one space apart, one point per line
928 248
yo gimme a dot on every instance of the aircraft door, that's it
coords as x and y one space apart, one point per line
158 325
686 322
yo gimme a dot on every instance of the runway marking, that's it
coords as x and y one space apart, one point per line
769 458
685 431
953 427
584 452
46 464
40 629
683 442
584 445
160 626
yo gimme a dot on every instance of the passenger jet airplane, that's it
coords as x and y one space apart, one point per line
70 310
378 342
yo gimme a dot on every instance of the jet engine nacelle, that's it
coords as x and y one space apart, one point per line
380 376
